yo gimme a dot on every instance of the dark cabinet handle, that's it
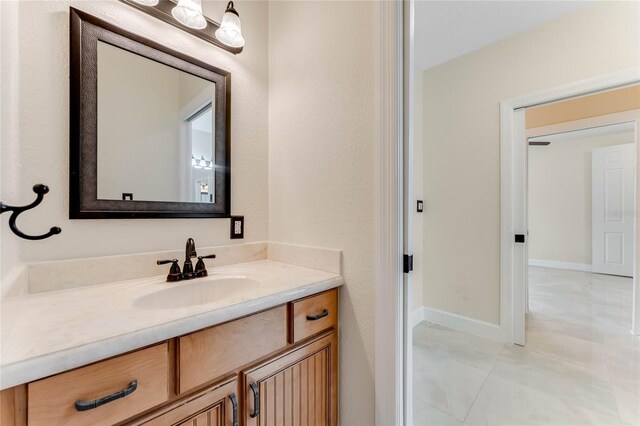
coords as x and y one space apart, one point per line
256 400
90 405
322 314
234 403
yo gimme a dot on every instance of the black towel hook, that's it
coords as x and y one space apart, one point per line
39 189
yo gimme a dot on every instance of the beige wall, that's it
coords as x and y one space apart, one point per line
461 142
560 197
321 109
9 132
35 145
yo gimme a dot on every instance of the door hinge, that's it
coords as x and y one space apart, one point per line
407 263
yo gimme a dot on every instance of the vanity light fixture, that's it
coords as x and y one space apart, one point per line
187 15
230 31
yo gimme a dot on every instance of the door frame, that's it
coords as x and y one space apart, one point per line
408 136
513 176
388 162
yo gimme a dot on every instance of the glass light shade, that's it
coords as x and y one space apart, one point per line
230 31
147 2
189 13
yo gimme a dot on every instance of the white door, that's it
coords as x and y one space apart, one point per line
613 206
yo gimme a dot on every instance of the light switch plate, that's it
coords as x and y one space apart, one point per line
237 227
420 206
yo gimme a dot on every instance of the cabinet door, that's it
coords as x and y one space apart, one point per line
217 406
298 388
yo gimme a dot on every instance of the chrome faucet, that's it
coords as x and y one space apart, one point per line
187 270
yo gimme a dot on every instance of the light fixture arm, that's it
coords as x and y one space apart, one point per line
231 8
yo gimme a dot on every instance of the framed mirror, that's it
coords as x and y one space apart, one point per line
149 128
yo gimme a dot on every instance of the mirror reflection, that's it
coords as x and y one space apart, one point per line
155 130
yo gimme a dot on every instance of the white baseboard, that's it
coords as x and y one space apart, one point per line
417 317
561 265
468 325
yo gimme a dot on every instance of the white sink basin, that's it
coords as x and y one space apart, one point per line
199 291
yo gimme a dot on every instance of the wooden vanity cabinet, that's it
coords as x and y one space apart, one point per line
277 367
52 401
295 389
213 352
216 406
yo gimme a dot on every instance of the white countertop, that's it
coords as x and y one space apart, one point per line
56 331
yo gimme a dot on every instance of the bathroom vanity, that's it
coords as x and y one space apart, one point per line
253 343
249 339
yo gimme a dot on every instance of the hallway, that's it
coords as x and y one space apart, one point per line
580 366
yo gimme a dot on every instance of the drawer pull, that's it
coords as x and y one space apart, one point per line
322 314
256 400
90 405
234 403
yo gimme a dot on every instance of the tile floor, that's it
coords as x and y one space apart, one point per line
581 366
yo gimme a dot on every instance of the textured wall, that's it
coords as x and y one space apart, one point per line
38 149
9 131
321 163
461 142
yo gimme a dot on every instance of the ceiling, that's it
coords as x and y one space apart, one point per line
612 129
445 30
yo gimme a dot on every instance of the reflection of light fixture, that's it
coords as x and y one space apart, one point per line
230 31
201 163
189 13
147 2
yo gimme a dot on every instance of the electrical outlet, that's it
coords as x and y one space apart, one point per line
237 227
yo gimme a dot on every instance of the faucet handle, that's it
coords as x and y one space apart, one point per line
201 269
174 272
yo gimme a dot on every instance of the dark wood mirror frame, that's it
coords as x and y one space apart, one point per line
86 31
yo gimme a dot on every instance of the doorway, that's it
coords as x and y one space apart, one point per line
612 232
581 204
581 199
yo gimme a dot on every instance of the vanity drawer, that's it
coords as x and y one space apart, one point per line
314 314
52 401
210 353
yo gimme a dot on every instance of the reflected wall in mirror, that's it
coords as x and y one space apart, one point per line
152 140
160 147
